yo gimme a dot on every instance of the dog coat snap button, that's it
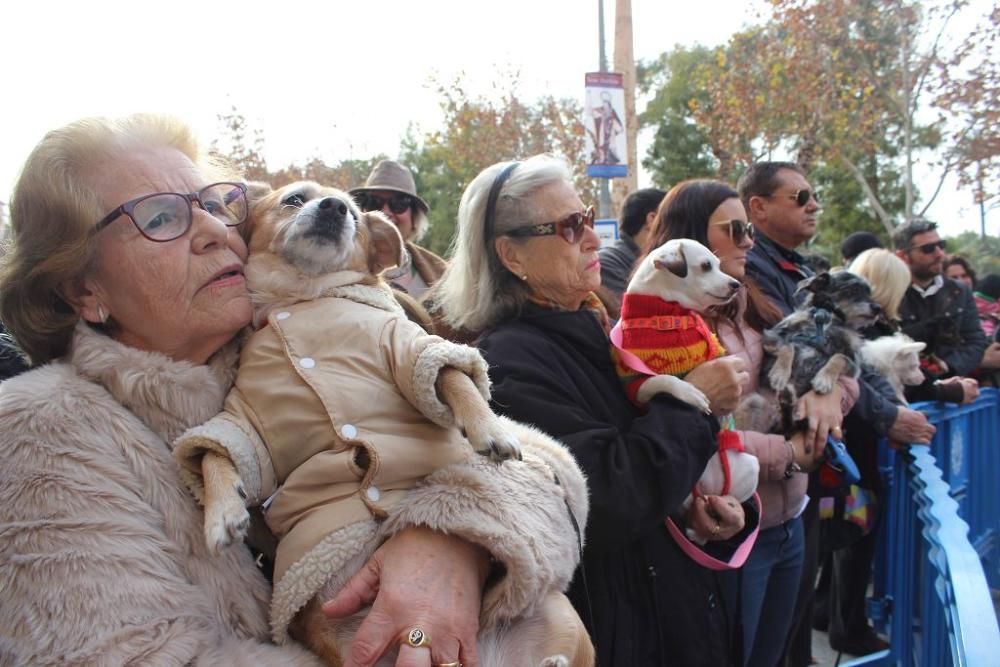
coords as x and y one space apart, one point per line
348 431
283 315
373 494
307 362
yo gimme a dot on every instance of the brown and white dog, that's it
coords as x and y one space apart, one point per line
299 236
661 324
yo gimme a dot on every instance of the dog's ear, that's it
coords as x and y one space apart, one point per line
817 283
672 259
257 190
916 346
386 249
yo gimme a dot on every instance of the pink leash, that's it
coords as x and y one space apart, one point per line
697 555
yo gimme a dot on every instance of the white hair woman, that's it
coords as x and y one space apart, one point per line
523 273
125 289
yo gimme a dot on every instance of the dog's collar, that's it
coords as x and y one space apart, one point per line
822 317
661 322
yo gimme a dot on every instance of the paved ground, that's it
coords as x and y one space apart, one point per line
827 657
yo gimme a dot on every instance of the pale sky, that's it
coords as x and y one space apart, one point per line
333 79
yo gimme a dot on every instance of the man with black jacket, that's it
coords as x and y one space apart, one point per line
937 310
782 207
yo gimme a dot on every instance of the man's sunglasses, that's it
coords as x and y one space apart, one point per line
801 197
570 228
398 203
738 230
928 248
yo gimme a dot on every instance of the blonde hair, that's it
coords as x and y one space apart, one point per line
53 210
888 276
476 290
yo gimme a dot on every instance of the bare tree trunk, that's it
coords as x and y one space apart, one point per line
907 127
625 63
870 195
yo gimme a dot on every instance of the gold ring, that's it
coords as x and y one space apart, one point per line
416 638
447 664
715 531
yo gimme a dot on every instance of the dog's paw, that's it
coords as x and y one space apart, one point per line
691 395
494 441
777 378
555 661
823 384
226 522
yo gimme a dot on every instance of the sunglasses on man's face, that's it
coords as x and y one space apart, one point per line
570 228
398 203
738 230
801 197
929 248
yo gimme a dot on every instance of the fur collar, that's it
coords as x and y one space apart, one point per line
377 296
268 294
168 396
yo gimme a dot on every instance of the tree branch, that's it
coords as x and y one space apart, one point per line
870 195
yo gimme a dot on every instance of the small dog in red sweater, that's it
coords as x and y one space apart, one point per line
662 336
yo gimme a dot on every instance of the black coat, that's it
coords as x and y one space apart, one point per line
648 603
949 323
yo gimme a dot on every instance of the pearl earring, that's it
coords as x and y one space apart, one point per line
525 277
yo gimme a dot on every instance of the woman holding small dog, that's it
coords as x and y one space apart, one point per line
711 213
125 289
524 271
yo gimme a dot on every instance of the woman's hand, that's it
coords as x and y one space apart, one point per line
722 381
805 452
824 414
716 517
423 579
970 388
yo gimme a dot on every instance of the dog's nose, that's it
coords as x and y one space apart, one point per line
734 285
332 206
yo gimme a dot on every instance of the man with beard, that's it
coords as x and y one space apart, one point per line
937 310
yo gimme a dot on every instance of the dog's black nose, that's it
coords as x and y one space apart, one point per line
332 206
734 285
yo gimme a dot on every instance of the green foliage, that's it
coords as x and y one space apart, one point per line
680 148
844 207
983 254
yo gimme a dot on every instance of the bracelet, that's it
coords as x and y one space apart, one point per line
792 467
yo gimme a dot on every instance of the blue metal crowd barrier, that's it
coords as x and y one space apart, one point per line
939 542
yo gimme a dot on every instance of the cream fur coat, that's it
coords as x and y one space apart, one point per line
102 555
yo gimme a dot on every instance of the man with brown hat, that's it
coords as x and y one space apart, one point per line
390 189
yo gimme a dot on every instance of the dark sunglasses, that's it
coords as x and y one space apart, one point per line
928 248
398 203
570 228
738 230
801 197
165 216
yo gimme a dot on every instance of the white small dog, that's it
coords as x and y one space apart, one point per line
897 358
662 336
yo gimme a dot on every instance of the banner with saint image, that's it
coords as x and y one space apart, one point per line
604 118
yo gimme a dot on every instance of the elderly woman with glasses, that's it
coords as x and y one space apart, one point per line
125 289
711 213
523 275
